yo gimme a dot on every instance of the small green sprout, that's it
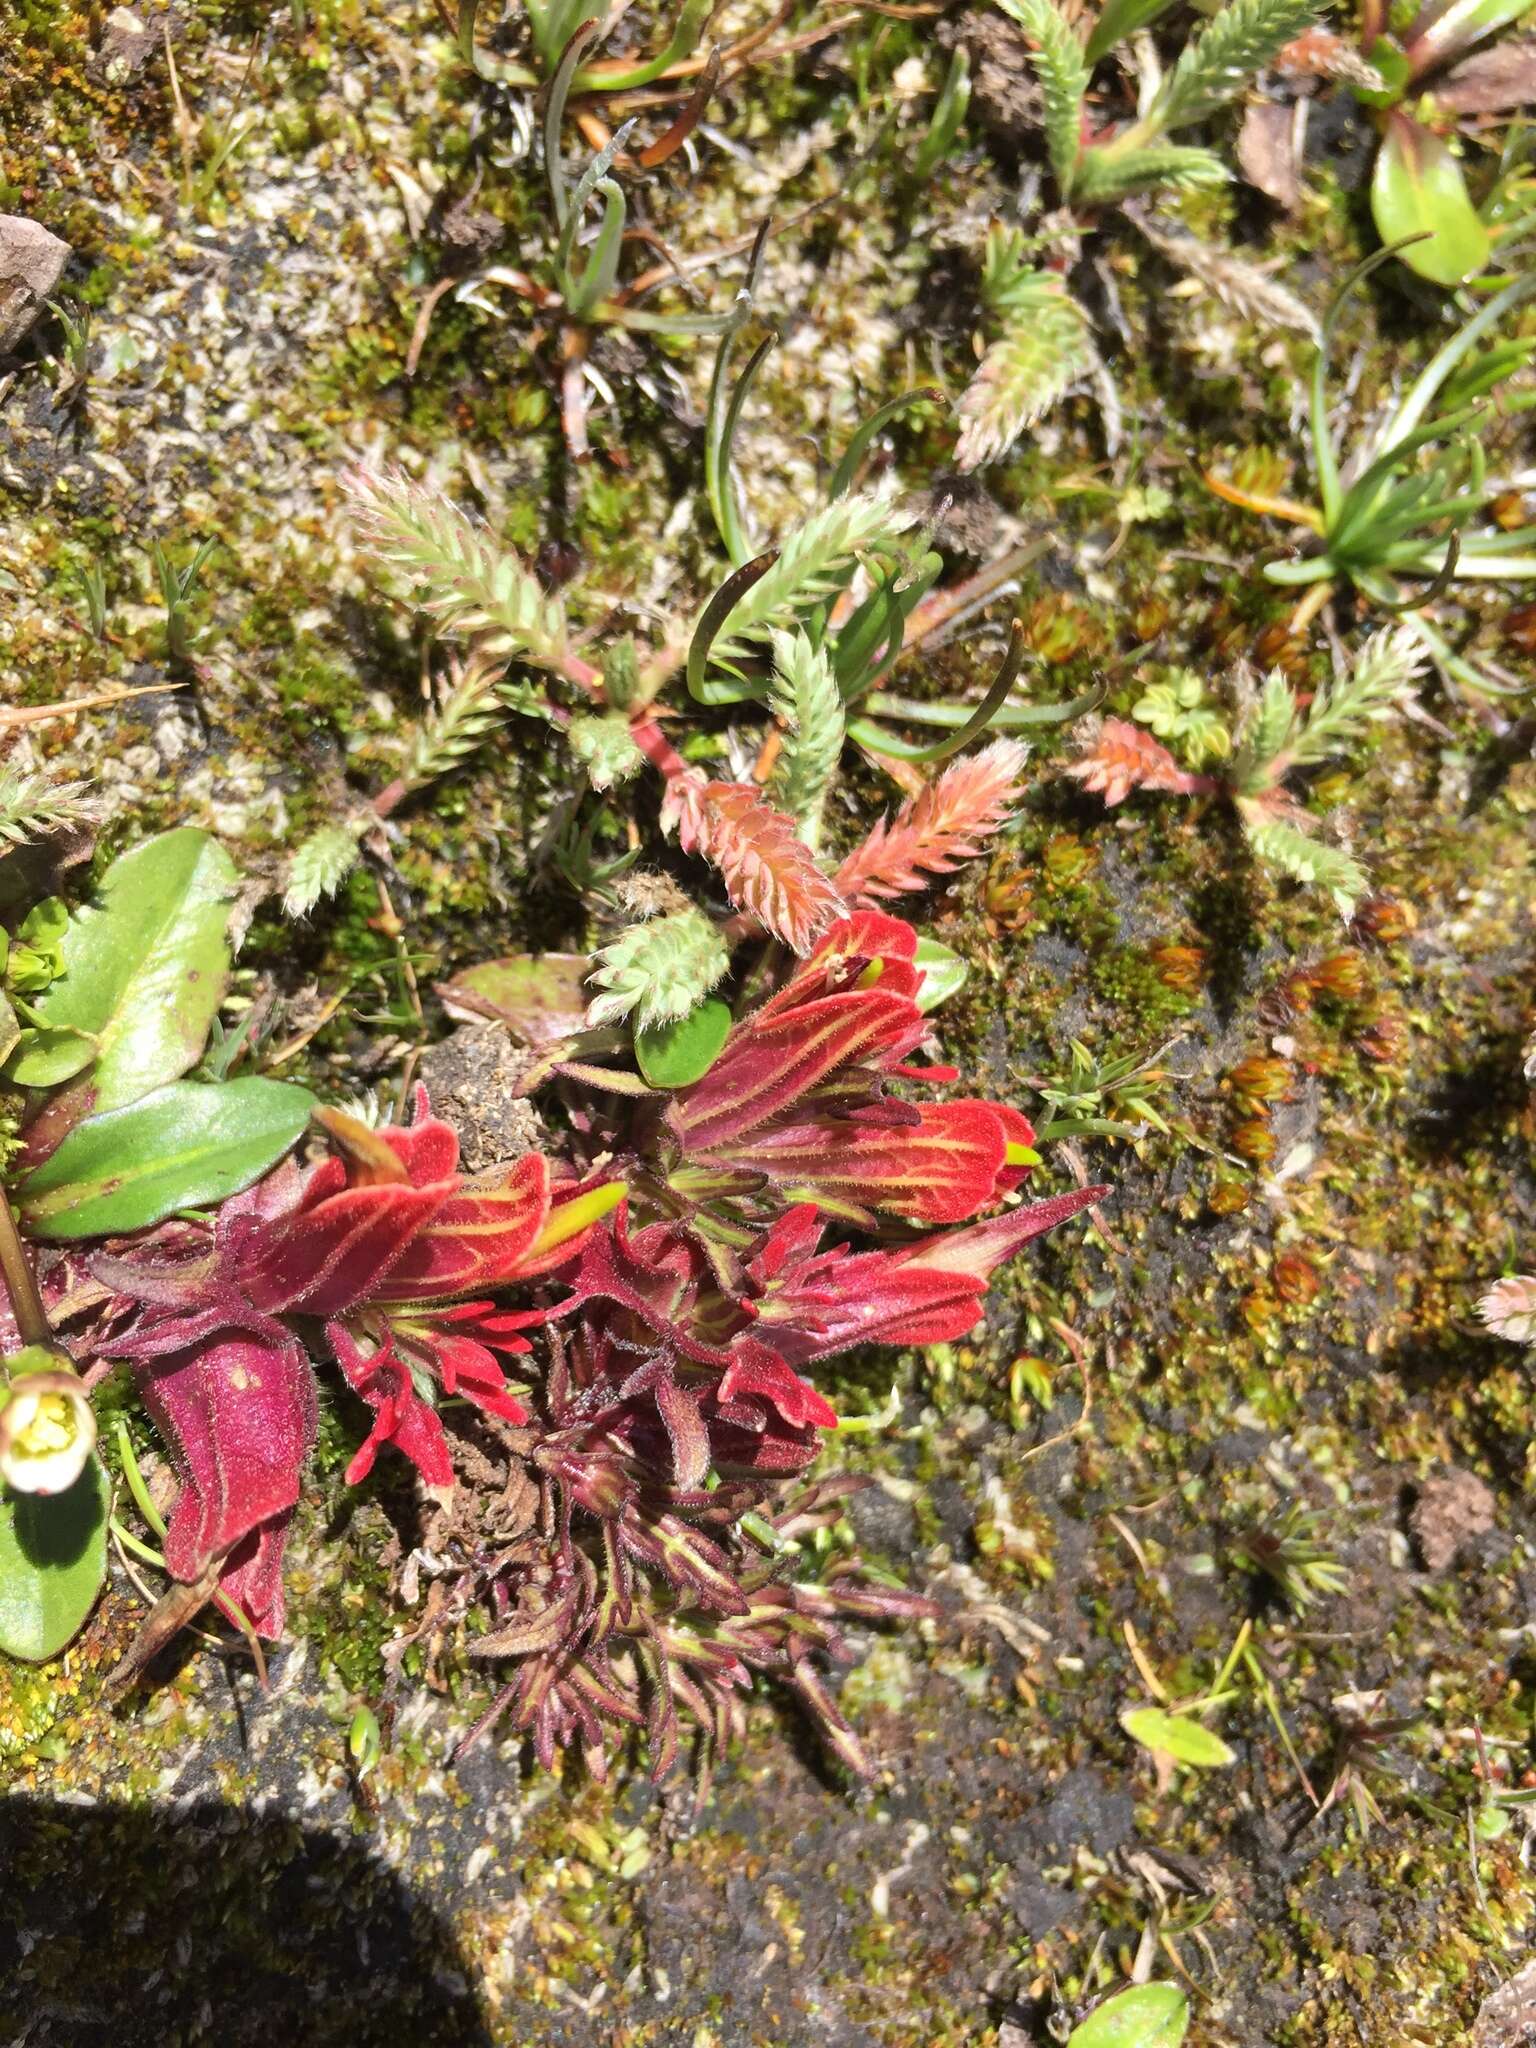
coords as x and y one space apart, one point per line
1409 505
1109 1098
1284 1550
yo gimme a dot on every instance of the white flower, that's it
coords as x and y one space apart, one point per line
47 1432
1509 1309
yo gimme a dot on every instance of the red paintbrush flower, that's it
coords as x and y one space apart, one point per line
385 1240
810 1304
797 1099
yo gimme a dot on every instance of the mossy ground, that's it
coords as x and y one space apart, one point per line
1281 1306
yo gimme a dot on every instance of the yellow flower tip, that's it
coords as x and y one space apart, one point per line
871 974
571 1218
1021 1155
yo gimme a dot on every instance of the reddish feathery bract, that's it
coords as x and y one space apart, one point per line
768 870
933 832
1123 758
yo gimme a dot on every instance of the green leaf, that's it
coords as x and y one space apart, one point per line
1386 57
1186 1740
185 1146
1106 174
1063 73
1145 2016
1241 39
540 997
676 1055
53 1559
944 974
1417 189
1119 19
145 966
45 1057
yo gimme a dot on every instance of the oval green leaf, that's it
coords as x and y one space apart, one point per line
677 1055
944 973
1417 189
53 1560
145 967
185 1146
1180 1736
47 1055
1145 2016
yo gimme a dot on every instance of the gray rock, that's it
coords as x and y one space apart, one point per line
127 44
31 263
1508 2018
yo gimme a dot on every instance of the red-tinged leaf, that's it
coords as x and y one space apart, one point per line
236 1408
981 1248
770 1063
691 1560
1123 758
1444 30
933 832
1417 189
755 1370
1493 82
767 868
458 1345
870 949
656 1276
337 1248
942 1169
400 1416
479 1238
540 997
681 1419
812 1304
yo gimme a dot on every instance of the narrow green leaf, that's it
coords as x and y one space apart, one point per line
53 1560
1063 74
186 1145
678 1054
1119 19
944 973
1186 1740
1145 2016
1417 189
1241 39
145 966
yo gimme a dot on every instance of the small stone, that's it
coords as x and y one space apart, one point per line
1449 1512
1507 2019
127 44
31 263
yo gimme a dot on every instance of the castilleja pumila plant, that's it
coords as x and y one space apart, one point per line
656 1403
